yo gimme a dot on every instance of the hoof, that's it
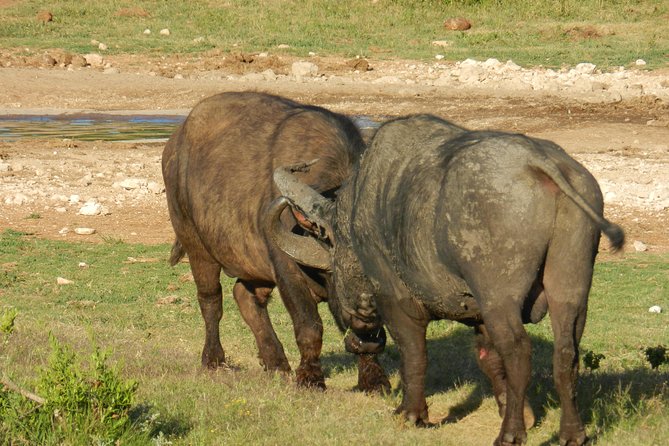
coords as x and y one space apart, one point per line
310 377
511 439
214 359
576 439
418 418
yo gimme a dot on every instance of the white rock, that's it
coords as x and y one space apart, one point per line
640 246
199 39
283 46
91 208
63 281
439 56
269 75
4 167
94 60
74 199
64 231
263 54
585 68
102 47
164 32
155 187
312 54
83 265
303 68
18 199
640 62
442 43
178 76
132 183
84 231
61 210
655 309
512 66
147 31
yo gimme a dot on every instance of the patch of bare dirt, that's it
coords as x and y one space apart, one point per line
624 143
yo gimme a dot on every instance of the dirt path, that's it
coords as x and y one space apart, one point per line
45 183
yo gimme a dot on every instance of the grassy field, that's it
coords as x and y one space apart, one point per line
543 32
129 301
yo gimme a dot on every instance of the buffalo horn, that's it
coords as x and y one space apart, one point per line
304 250
316 207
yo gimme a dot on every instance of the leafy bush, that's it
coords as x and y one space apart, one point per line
656 356
89 404
591 360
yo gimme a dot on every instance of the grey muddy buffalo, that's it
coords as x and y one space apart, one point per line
490 229
218 170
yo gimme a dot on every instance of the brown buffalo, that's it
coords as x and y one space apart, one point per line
218 170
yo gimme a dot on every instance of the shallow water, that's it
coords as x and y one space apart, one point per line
104 127
89 127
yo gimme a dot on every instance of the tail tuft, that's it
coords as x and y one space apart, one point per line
616 235
177 252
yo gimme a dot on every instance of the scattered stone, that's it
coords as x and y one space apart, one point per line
74 199
311 54
457 24
61 210
658 123
5 167
640 246
640 63
64 231
83 265
302 69
269 75
442 43
147 32
164 32
63 281
18 199
155 187
44 17
102 46
131 183
199 39
178 76
439 56
585 68
91 208
84 231
283 46
94 60
655 309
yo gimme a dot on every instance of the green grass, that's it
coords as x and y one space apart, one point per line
119 305
542 32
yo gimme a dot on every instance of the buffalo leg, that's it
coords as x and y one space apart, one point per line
409 335
512 343
209 295
490 363
308 328
568 307
252 303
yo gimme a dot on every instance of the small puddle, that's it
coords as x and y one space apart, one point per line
89 127
106 127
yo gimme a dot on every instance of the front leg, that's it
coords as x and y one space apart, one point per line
409 335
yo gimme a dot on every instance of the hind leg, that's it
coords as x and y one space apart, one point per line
567 301
209 295
252 301
490 363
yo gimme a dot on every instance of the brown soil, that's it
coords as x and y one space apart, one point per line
612 139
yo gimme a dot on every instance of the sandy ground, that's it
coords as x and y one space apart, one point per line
625 143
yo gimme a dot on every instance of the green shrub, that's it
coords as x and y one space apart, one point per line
81 404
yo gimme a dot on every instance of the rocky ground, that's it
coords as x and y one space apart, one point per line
616 123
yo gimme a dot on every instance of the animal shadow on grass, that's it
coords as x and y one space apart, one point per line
604 398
